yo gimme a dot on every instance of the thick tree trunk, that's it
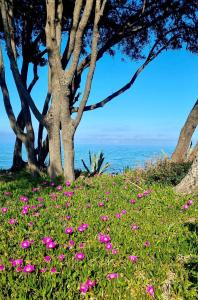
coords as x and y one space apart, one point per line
55 163
32 161
181 150
68 144
193 153
189 184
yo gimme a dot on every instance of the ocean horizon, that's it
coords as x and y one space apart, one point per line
119 156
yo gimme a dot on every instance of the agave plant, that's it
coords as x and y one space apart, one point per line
96 164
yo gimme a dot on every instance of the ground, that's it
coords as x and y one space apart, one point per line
133 241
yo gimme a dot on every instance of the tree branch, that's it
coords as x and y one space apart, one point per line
99 9
8 107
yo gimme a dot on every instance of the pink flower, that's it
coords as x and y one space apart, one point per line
7 193
46 239
79 256
19 269
25 244
114 251
2 268
108 246
69 230
71 243
81 229
104 218
100 204
150 290
68 217
17 262
112 276
30 223
23 199
61 257
190 202
43 270
29 268
104 238
47 258
51 245
133 258
53 270
83 288
185 206
124 211
147 244
59 188
134 227
91 283
12 221
4 210
40 199
132 201
81 245
67 183
118 216
139 196
85 225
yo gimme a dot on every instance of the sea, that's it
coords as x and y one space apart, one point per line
119 156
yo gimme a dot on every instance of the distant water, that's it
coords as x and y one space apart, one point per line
119 156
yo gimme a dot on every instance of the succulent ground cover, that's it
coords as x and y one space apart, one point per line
107 237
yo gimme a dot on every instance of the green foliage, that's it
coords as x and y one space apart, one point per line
96 162
171 231
166 172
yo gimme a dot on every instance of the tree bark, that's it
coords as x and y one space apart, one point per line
68 144
181 150
193 153
17 162
189 184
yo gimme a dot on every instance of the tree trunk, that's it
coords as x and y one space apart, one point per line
68 144
189 184
17 162
55 164
181 150
193 153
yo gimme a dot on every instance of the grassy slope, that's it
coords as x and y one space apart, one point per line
168 263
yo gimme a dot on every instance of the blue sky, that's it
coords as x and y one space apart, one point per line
151 112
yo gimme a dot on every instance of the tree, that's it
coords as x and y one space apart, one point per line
139 29
181 151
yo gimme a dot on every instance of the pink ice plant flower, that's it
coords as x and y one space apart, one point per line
69 230
47 259
51 245
139 196
17 262
104 238
43 270
61 257
118 215
91 283
81 229
132 201
2 268
29 269
150 290
114 251
53 270
109 246
59 188
23 199
147 244
46 239
104 218
79 256
4 210
84 288
67 183
100 204
185 206
190 202
25 244
133 258
71 243
12 221
124 211
112 276
134 227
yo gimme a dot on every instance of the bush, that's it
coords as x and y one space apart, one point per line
165 171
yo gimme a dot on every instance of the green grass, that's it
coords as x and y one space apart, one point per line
169 263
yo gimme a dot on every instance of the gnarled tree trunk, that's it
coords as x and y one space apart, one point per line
189 184
181 150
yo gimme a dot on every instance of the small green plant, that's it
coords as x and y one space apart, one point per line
97 165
